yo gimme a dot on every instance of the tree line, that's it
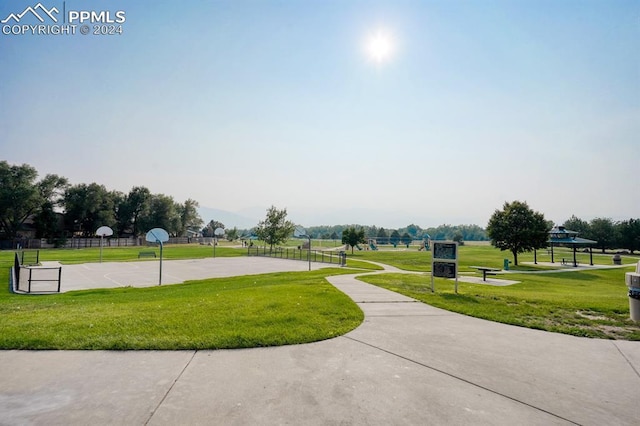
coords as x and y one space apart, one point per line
609 234
58 210
518 229
414 232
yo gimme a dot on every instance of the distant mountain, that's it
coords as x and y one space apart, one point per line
229 219
248 218
363 216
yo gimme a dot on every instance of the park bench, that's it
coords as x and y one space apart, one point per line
148 253
486 271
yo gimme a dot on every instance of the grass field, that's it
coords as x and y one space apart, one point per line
249 311
289 308
585 303
480 255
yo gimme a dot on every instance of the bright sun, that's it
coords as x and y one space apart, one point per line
379 47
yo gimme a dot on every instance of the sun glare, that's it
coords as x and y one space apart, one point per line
379 47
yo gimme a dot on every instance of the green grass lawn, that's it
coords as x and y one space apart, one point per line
480 255
249 311
585 303
297 307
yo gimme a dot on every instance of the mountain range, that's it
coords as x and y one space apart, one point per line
249 217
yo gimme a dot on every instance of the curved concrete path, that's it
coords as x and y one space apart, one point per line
408 363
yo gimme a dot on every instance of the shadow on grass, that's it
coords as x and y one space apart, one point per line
451 297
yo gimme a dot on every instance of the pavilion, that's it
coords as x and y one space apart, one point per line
561 236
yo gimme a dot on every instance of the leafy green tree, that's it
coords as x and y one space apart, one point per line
22 196
275 228
394 238
163 213
353 237
87 207
406 239
138 204
603 231
47 223
576 224
209 230
518 229
629 234
233 234
190 219
458 238
334 235
371 232
382 237
413 230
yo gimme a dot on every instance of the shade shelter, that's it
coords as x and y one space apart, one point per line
559 235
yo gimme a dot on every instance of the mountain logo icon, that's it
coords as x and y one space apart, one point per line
38 11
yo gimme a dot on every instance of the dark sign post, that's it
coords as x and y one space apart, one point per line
444 261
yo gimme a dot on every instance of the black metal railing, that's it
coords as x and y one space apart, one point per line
26 262
16 267
339 258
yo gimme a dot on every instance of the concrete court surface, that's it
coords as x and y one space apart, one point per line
408 363
146 273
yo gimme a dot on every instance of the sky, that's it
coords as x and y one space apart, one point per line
241 105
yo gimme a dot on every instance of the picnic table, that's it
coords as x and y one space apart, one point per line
486 270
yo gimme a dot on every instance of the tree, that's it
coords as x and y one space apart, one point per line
163 213
603 231
87 207
518 229
629 233
21 196
576 224
458 238
406 239
395 238
189 217
232 234
413 230
211 227
275 228
382 237
138 203
48 225
352 237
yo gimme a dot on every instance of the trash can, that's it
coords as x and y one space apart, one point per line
506 264
617 260
343 258
632 279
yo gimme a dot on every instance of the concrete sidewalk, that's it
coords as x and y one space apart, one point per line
408 363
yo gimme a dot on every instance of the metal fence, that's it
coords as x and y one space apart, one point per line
339 258
27 275
41 243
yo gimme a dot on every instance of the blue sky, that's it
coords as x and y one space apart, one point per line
246 104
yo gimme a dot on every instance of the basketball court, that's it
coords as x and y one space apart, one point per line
147 273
